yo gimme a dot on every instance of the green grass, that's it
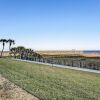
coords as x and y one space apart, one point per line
51 83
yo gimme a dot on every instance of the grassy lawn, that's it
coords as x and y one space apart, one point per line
51 83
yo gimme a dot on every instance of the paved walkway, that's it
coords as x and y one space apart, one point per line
62 66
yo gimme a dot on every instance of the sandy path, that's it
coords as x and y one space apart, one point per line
9 91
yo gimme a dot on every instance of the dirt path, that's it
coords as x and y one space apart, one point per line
9 91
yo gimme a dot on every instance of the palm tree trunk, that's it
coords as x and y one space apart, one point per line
9 47
2 50
9 50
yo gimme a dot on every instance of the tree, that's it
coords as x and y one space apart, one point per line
10 41
3 44
14 51
20 50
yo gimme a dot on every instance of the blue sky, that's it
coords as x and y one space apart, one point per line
51 24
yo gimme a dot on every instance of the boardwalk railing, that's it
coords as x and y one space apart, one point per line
72 62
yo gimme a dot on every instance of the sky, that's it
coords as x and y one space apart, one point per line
51 24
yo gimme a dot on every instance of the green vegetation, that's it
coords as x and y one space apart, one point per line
4 41
51 83
24 53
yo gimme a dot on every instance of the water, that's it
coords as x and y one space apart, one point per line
92 51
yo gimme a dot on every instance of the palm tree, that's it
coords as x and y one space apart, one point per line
10 41
13 51
21 50
3 43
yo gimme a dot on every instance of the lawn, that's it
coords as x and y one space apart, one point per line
51 83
